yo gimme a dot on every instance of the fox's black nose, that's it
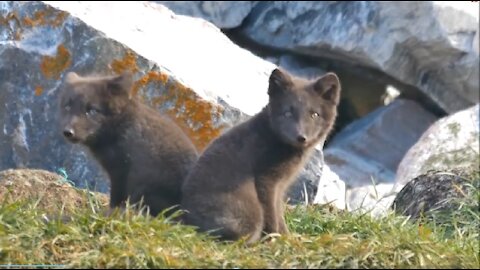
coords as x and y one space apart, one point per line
68 133
301 139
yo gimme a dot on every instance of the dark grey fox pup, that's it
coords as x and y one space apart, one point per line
145 154
237 186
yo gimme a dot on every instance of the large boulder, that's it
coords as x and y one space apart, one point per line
375 199
224 14
361 161
369 150
432 192
423 44
451 142
183 67
331 189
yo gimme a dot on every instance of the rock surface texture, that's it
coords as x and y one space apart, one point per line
422 44
433 191
451 142
223 14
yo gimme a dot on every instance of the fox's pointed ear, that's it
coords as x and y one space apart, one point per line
121 84
328 86
278 81
71 77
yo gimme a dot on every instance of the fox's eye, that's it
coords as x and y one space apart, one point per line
315 115
287 114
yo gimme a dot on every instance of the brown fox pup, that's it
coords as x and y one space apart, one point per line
145 154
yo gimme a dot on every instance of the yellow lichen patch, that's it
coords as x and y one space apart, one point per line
194 115
151 76
48 16
128 63
38 90
11 16
5 21
17 35
52 67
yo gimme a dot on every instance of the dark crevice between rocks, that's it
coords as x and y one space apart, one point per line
356 79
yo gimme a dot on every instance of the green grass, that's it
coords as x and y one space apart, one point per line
321 238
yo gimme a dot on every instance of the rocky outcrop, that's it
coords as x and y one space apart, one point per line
451 142
223 14
361 160
421 44
183 67
369 150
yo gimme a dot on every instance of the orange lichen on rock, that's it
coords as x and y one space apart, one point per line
194 115
128 63
52 67
11 16
151 76
38 90
5 21
47 16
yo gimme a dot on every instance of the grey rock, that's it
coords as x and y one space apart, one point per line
433 191
331 189
451 142
223 14
374 199
368 151
361 161
299 68
420 44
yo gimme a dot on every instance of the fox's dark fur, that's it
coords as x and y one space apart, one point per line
238 185
145 154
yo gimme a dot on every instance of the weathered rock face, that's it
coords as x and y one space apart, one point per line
433 191
331 189
370 149
361 160
297 67
373 199
420 44
224 14
183 67
452 141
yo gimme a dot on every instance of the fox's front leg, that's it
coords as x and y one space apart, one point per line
266 195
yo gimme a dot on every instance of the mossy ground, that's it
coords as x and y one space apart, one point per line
321 238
